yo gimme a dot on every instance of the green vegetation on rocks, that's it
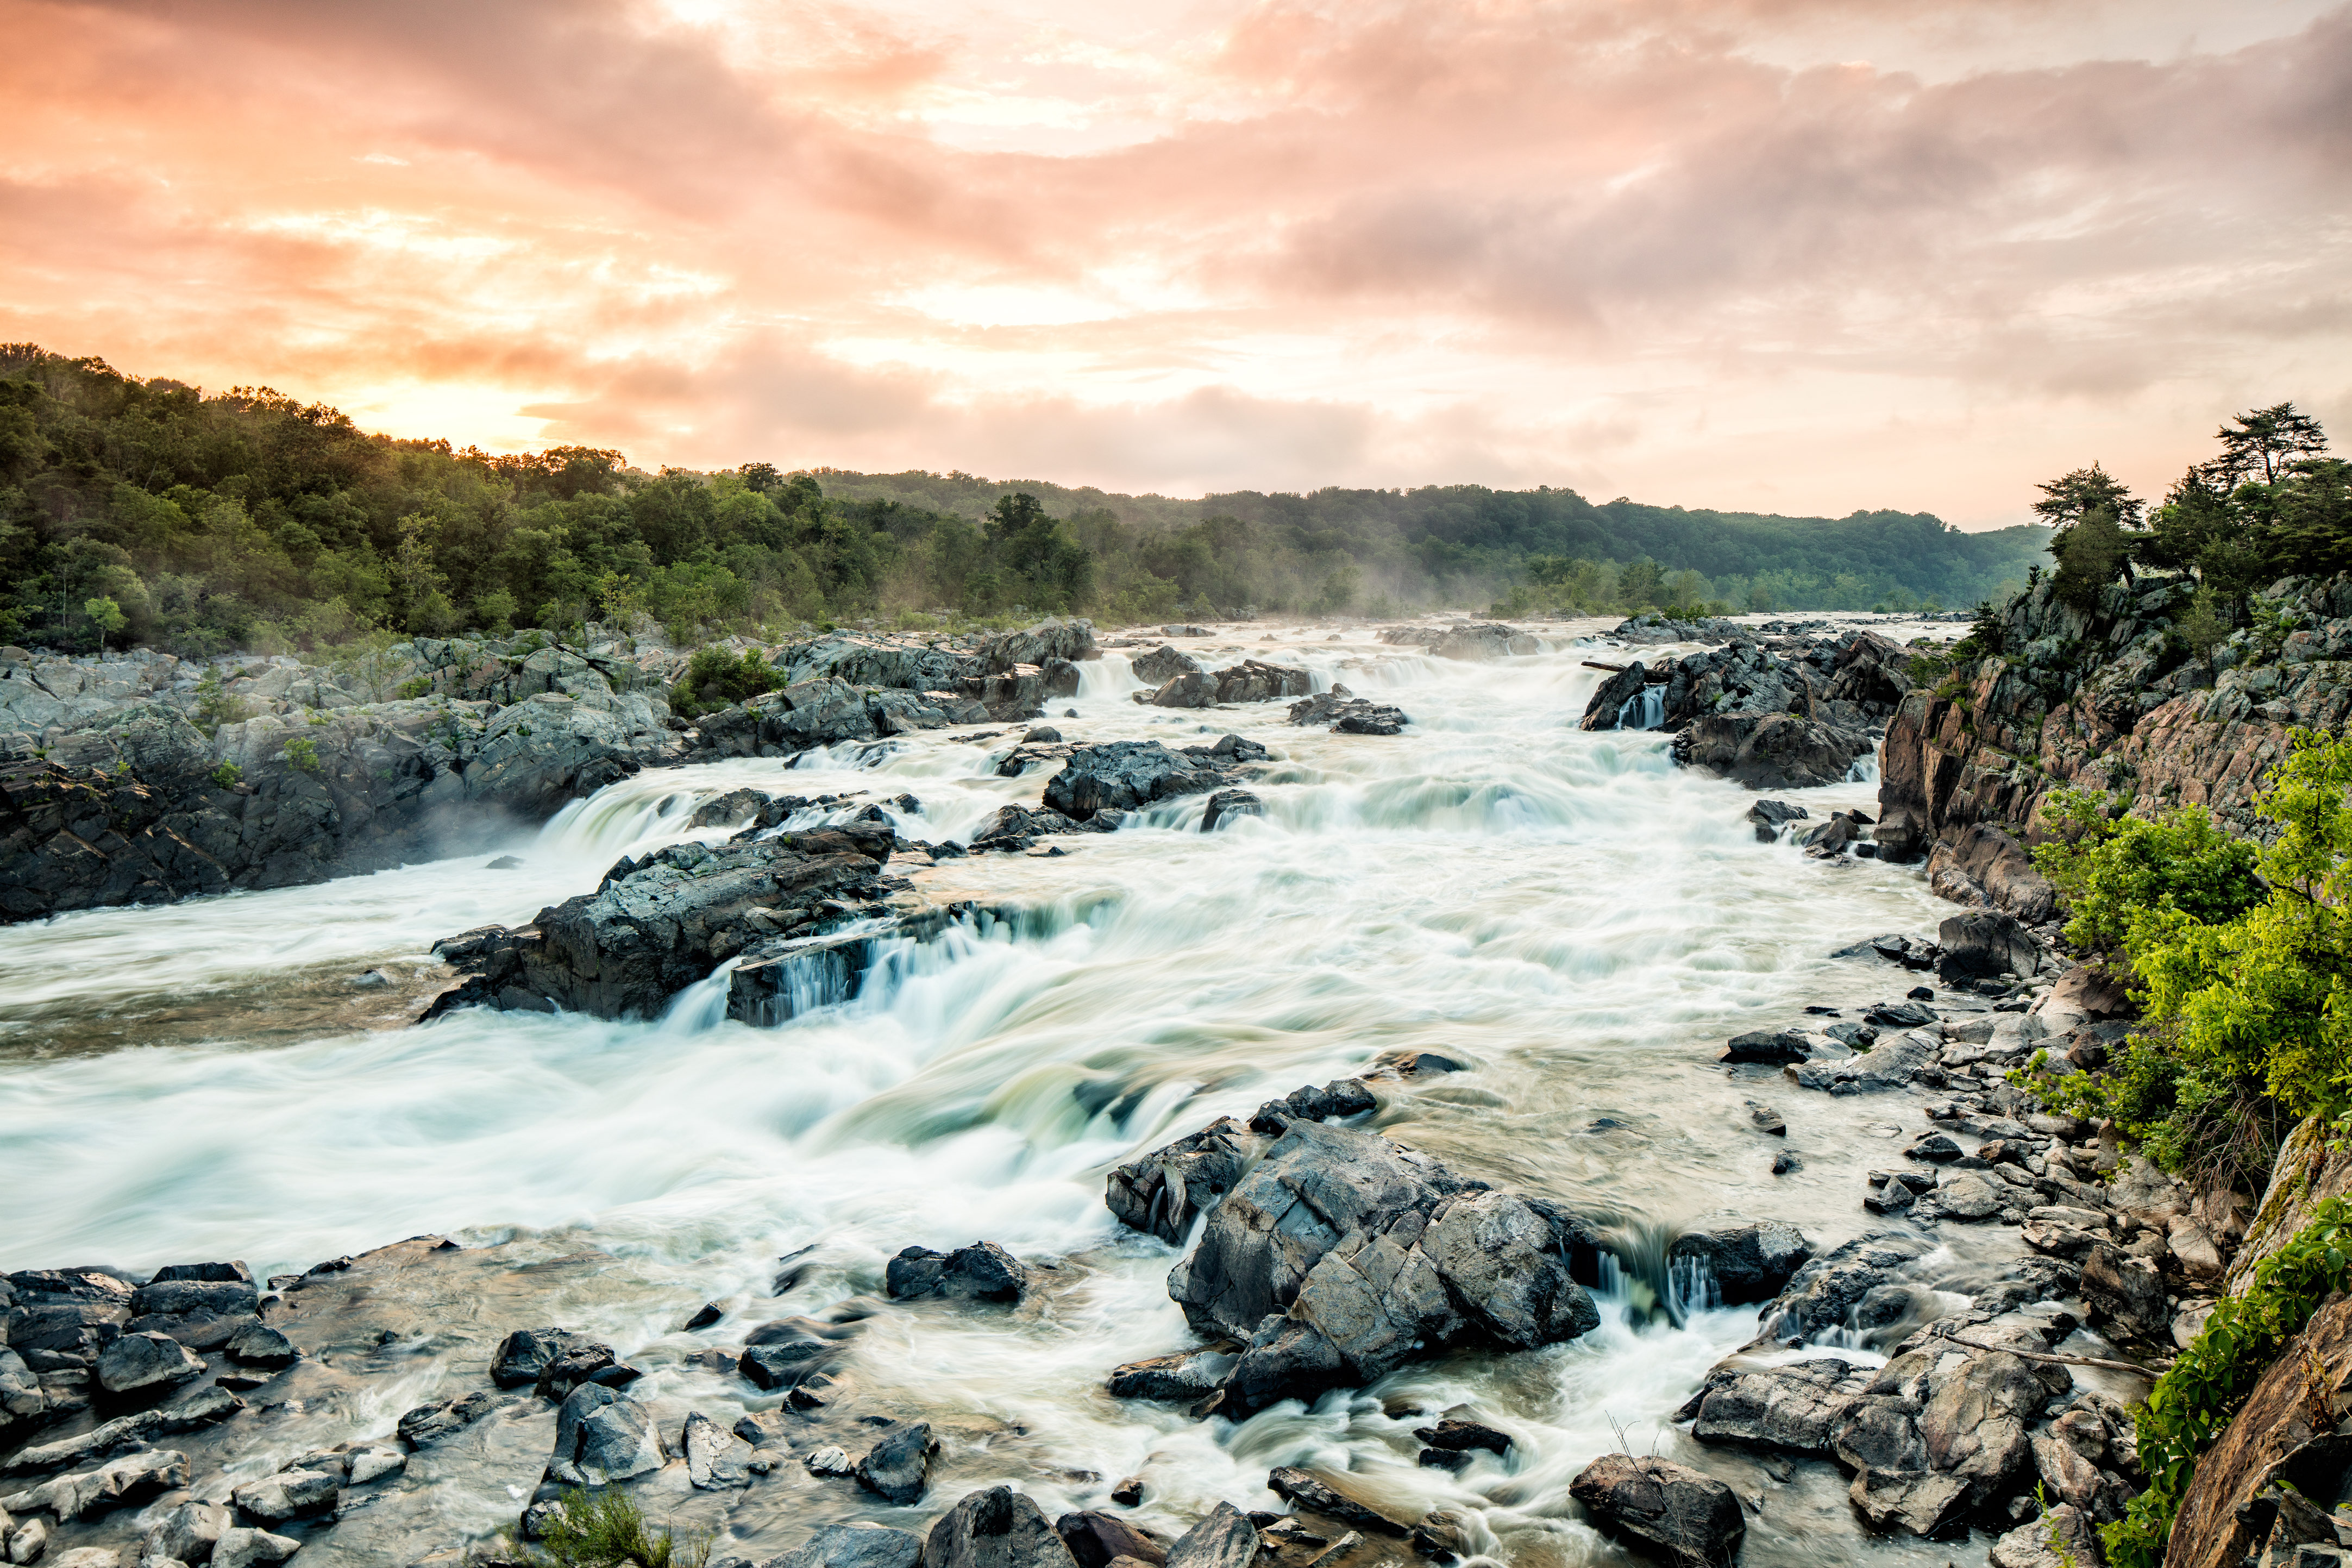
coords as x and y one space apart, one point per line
2194 1401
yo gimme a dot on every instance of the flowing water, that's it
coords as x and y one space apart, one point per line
1566 913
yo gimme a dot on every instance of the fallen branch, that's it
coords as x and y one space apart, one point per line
2133 1367
1612 668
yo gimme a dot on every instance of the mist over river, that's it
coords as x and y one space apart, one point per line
1567 914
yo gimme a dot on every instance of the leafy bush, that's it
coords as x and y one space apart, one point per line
302 752
2193 1403
2111 871
712 681
419 686
607 1530
213 708
227 777
2243 961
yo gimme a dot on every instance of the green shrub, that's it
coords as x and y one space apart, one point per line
2243 956
2110 871
227 776
2193 1403
420 686
302 752
712 681
605 1530
213 708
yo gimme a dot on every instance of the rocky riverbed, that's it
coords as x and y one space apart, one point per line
1138 1131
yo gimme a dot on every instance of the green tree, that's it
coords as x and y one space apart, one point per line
2091 554
2070 498
106 618
2264 441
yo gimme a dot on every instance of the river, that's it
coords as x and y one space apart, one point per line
1569 915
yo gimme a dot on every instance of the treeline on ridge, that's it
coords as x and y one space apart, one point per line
148 511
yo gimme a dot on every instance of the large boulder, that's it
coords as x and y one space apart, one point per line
1123 775
600 1438
1070 641
998 1528
899 1465
1342 1256
1670 1511
1346 715
1792 1408
146 1365
1984 943
859 658
87 1494
1189 688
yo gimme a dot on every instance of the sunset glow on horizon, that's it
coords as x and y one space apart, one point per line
1786 256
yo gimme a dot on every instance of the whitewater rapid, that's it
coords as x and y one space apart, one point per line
1575 919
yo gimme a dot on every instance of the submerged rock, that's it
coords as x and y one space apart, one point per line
1748 1260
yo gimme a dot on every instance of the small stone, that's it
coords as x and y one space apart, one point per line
707 1314
243 1548
1785 1163
258 1345
1767 1120
899 1465
1128 1492
829 1462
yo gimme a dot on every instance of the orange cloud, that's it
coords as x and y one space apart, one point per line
1803 255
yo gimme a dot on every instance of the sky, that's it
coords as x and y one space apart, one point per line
1793 256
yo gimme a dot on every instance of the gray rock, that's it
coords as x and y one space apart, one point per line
1965 1195
2127 1292
1673 1511
1342 1256
23 1402
1303 1489
1096 1540
714 1458
1889 1065
241 1548
1185 1376
602 1437
90 1557
1823 1296
657 925
1772 816
1773 1048
1346 715
1983 943
1160 1193
374 1461
1162 665
86 1494
430 1423
289 1494
980 1272
1124 775
1226 1539
181 1298
998 1528
525 1352
1941 1434
857 1545
28 1541
788 1351
1792 1408
187 1534
899 1465
1750 1260
146 1364
1227 805
255 1343
2029 1545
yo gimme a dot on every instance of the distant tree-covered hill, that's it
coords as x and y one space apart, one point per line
147 511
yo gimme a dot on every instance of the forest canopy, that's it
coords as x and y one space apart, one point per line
149 512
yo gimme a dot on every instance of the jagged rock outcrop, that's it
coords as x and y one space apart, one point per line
657 925
1341 1255
2104 699
1346 714
1758 713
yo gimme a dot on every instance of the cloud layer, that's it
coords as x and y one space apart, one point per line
1771 254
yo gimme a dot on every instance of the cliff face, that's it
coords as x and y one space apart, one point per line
2105 700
